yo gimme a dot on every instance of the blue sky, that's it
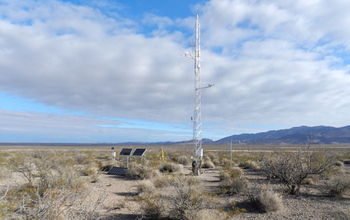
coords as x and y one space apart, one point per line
115 71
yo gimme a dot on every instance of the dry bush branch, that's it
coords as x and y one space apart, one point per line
292 168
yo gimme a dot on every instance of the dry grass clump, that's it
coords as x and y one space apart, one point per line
146 186
267 201
82 158
339 163
152 205
249 164
232 181
161 181
231 174
183 159
4 172
211 214
208 164
140 172
188 198
228 164
186 201
170 168
337 186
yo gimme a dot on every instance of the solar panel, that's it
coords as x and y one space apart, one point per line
125 152
117 171
139 152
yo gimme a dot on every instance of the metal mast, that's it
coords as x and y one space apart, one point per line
197 119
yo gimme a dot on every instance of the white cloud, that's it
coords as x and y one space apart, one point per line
274 63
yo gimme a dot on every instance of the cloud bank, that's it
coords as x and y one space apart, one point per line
275 64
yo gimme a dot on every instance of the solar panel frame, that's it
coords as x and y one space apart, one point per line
139 152
125 152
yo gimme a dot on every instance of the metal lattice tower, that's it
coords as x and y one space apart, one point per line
197 119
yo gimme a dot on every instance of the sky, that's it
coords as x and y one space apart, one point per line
106 71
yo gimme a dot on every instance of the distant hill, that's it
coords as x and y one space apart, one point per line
296 135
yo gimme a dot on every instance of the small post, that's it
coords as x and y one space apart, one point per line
231 155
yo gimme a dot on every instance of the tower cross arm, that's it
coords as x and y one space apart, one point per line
205 87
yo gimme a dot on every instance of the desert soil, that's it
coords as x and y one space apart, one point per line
310 204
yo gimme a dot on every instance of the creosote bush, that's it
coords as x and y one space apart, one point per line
52 187
188 199
292 168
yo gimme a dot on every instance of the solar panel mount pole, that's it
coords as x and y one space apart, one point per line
127 162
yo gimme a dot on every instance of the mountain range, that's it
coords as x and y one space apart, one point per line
295 135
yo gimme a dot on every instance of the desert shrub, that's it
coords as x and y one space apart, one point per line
160 182
151 205
233 186
292 168
248 164
212 214
172 156
339 163
216 162
188 198
208 164
4 172
82 158
170 167
267 201
53 189
231 174
105 167
24 165
228 164
337 186
146 186
183 159
46 198
62 177
4 157
232 181
309 181
140 172
212 156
